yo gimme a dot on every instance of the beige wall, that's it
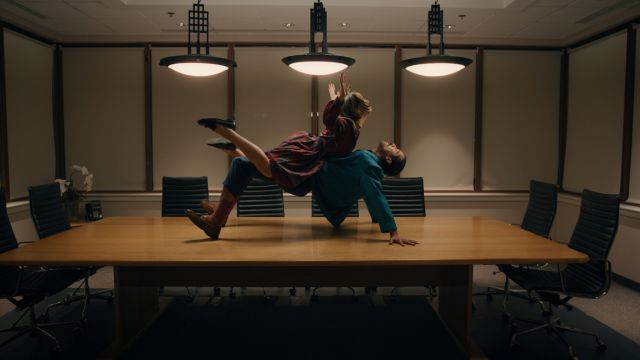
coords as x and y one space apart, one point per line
29 80
438 116
272 100
520 118
596 103
179 147
104 115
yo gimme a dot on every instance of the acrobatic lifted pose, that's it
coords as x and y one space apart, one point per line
294 162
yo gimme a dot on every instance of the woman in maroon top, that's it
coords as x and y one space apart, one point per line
300 156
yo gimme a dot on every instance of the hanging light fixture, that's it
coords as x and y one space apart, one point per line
318 63
195 63
435 65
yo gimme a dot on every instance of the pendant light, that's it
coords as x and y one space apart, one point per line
318 63
195 63
435 65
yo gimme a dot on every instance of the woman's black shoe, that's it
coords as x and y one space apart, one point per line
211 123
221 143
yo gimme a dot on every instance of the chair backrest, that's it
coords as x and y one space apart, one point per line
405 196
541 210
47 211
316 212
593 235
7 237
182 193
261 198
9 275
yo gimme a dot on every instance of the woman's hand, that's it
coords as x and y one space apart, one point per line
345 88
332 91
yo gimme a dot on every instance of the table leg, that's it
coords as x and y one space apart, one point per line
454 303
136 306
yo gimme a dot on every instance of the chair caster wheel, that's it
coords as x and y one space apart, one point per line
292 292
515 345
574 358
314 298
78 331
602 347
506 318
44 317
216 291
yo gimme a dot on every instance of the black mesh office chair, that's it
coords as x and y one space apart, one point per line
538 219
261 198
405 196
593 235
180 194
30 285
49 218
316 212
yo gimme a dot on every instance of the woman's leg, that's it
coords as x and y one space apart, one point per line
250 150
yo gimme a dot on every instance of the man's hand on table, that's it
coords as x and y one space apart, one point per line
397 239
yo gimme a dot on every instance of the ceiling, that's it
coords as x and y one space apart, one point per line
489 22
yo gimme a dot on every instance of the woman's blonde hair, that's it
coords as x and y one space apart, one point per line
355 105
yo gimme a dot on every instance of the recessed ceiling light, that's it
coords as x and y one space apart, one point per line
288 25
181 24
449 27
344 25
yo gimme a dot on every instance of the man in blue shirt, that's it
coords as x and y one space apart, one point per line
341 182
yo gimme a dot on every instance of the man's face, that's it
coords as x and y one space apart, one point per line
389 149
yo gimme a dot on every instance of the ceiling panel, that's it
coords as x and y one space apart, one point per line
548 30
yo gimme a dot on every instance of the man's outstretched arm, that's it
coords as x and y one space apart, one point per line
380 210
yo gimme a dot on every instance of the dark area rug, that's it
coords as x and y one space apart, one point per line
336 326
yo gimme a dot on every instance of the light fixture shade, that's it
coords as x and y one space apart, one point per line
197 65
197 62
435 65
313 62
318 63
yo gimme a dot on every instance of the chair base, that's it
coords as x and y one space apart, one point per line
554 325
34 327
86 297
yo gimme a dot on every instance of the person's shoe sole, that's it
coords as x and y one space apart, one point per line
220 143
211 123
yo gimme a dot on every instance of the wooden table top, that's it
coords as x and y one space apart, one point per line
292 241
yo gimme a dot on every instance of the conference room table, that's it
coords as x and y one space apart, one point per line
149 252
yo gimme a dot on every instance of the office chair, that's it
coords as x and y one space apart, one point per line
49 218
316 212
593 235
260 198
32 286
406 198
538 219
180 194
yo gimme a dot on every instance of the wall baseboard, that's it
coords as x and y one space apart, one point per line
626 282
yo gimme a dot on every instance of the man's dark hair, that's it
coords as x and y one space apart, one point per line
394 167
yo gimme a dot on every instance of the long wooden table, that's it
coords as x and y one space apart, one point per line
300 251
